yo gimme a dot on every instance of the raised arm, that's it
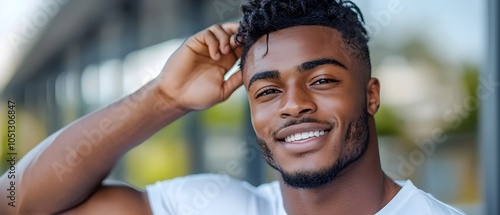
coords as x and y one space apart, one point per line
65 171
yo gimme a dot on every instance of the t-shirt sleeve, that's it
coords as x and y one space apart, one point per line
161 196
202 194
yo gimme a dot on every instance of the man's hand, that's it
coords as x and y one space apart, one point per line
193 77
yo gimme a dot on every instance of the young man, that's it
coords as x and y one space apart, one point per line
306 68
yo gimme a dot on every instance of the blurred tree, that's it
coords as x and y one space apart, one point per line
388 124
468 109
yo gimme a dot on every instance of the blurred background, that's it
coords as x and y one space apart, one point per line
436 60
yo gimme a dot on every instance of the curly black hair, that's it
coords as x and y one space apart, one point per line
261 17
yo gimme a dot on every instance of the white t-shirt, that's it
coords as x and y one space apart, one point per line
212 194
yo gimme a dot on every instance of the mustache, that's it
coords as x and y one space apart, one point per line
299 121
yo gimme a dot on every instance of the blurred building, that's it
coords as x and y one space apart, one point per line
73 57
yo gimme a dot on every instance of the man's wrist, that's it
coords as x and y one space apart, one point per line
164 103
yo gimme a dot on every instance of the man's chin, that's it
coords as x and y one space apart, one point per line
312 179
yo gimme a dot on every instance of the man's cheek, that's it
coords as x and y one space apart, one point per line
259 119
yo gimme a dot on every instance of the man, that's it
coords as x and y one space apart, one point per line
306 68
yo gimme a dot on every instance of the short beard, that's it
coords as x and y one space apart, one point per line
356 140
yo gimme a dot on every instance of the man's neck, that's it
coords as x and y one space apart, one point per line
361 188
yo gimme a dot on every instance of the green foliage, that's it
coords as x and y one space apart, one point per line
467 120
387 122
228 113
163 156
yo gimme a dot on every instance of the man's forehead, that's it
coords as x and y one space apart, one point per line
287 48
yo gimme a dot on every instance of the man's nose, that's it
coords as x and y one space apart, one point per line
297 102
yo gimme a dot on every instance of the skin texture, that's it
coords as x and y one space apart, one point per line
330 96
193 79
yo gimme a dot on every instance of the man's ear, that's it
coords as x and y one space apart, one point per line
372 96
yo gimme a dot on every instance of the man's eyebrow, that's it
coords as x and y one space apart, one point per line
318 62
273 74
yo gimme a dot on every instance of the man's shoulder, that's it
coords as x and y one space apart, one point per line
210 193
412 200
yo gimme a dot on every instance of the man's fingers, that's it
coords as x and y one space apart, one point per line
233 42
213 44
235 81
219 39
231 27
223 37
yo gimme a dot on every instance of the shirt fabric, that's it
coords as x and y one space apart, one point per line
213 194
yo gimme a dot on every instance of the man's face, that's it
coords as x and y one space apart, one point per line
308 103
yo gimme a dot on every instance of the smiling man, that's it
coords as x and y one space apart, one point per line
306 68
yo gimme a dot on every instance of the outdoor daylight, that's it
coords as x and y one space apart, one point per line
249 107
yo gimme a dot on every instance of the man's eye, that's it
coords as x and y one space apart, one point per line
324 81
267 92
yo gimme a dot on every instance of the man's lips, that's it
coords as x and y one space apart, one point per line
302 131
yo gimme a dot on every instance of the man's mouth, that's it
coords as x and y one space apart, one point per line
301 132
304 135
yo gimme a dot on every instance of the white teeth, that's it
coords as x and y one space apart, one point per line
304 135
